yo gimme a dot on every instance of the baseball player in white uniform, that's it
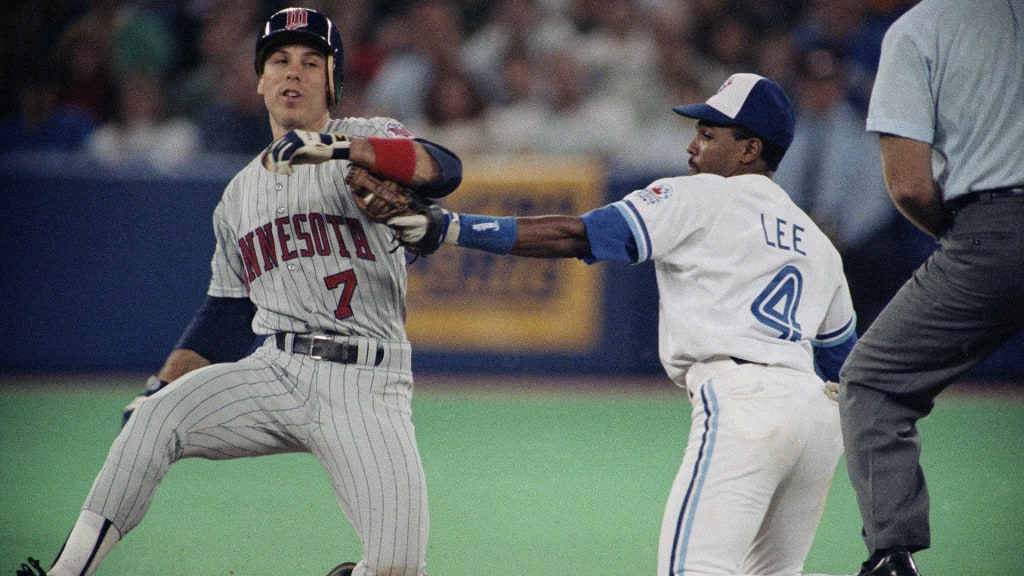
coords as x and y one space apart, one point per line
298 264
755 316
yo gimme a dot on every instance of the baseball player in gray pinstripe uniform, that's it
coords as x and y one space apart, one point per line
298 264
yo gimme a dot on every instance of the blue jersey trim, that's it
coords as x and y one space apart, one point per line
688 510
837 336
616 232
830 355
451 170
636 224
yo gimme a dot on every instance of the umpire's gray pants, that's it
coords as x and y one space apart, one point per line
965 301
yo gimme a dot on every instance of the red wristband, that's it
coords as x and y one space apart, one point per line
396 159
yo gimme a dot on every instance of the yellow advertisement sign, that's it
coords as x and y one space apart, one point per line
470 301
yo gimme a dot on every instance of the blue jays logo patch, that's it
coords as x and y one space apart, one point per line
655 193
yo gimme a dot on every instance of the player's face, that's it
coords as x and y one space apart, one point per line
714 150
294 88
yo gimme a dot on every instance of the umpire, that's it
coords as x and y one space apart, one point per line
946 103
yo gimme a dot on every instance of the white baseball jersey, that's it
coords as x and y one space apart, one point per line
746 281
741 271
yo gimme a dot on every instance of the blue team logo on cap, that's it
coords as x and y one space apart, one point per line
754 102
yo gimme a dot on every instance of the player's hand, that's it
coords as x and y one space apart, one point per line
305 147
425 232
832 390
153 385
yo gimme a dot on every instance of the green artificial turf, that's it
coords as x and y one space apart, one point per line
521 483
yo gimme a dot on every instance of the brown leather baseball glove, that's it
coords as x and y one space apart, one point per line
383 200
378 198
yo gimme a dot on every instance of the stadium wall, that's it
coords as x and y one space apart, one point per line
104 269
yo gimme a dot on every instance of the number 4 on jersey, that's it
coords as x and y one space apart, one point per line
776 305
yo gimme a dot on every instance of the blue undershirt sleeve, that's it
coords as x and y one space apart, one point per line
828 359
609 235
221 330
451 170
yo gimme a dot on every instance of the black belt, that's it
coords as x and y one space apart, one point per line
986 196
325 348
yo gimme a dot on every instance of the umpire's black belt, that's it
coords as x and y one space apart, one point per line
986 196
321 347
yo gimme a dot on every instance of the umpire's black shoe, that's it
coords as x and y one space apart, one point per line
889 563
31 569
343 569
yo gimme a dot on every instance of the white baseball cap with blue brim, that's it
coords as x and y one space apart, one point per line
754 102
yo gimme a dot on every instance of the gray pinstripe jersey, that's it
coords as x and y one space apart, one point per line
301 250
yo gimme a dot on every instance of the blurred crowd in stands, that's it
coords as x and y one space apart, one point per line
154 82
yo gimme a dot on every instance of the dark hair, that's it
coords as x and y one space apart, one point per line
771 153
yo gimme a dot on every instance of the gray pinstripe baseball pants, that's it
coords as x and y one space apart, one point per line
355 418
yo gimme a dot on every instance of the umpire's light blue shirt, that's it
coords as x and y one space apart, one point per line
952 74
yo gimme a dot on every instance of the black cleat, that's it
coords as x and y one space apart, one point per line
31 569
889 563
344 569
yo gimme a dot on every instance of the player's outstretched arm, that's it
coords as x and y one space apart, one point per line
551 237
536 237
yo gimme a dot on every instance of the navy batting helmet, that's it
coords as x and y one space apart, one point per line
308 27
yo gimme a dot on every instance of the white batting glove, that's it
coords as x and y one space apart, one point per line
305 147
412 229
